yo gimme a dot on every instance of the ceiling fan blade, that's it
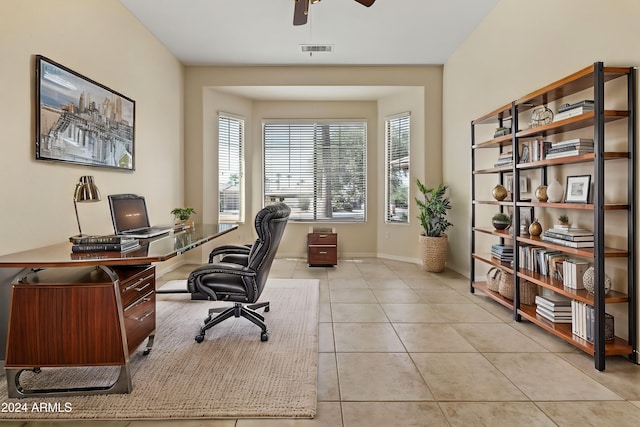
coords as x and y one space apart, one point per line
300 12
367 3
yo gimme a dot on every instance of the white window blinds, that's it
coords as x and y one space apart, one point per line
230 168
397 131
318 168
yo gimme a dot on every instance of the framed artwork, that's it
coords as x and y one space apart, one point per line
577 189
524 157
81 121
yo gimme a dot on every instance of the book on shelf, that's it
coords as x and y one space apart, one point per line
539 149
585 142
584 319
568 243
554 302
573 272
111 238
586 103
105 247
571 113
571 234
555 317
567 154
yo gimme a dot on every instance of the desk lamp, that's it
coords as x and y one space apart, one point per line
86 191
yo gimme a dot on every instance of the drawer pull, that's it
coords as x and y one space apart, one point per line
135 284
145 315
142 300
323 252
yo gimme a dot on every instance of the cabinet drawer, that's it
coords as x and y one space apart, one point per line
323 255
140 319
322 239
131 290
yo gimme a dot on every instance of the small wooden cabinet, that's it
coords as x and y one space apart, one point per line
322 249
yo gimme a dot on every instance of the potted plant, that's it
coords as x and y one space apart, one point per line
501 221
433 218
564 221
182 216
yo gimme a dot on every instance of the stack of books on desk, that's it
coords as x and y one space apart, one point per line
572 237
556 308
570 147
103 243
572 110
503 252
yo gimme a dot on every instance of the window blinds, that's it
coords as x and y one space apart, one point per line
230 168
397 132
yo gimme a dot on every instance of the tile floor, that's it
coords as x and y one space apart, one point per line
403 347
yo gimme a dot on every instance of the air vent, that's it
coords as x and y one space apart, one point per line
316 48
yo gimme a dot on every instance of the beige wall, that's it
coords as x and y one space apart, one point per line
419 91
103 41
519 47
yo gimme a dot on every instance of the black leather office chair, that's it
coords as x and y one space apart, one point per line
242 272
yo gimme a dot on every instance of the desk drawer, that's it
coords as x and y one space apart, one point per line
135 287
322 239
323 255
140 319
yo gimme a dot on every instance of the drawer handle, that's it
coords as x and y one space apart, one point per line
323 252
140 301
145 315
128 288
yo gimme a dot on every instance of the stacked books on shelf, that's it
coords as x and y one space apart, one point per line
503 252
539 149
573 272
571 237
555 308
571 110
103 243
583 323
570 147
504 159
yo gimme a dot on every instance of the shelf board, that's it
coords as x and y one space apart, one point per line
618 347
482 287
500 233
582 295
583 158
583 252
493 170
487 258
502 113
568 85
493 202
495 142
575 206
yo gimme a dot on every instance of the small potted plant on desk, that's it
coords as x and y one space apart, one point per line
182 217
433 218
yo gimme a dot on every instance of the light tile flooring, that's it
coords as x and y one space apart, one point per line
403 347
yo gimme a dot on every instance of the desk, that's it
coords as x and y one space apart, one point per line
91 309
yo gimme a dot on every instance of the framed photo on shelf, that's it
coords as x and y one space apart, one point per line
577 189
524 183
82 121
524 157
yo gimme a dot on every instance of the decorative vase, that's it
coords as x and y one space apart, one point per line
555 191
535 229
588 281
498 225
499 192
541 193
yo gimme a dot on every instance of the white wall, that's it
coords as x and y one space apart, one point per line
99 39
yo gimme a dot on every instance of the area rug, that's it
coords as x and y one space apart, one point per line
232 374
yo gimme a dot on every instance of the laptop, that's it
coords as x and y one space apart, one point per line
130 217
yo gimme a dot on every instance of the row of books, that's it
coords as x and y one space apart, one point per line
571 147
538 259
571 110
110 243
572 237
554 307
573 272
583 324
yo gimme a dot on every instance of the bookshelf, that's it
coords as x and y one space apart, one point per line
611 123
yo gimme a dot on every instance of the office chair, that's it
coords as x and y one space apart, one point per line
242 272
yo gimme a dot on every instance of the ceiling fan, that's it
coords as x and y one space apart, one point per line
301 9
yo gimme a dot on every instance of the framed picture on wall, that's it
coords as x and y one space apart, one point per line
81 121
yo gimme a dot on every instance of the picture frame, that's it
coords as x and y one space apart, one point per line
577 189
524 157
81 121
526 218
524 183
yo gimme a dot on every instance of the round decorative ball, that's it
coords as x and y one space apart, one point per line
541 193
588 280
535 229
499 192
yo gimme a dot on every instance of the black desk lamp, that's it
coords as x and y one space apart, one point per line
86 191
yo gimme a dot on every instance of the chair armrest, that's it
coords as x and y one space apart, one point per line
221 267
229 249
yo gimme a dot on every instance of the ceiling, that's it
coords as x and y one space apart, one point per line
261 32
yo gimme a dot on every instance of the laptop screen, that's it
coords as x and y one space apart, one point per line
128 212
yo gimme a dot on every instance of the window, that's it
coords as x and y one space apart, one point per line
397 130
318 168
230 168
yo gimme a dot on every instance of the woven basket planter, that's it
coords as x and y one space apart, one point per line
528 290
434 252
493 279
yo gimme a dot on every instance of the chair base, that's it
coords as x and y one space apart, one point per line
238 310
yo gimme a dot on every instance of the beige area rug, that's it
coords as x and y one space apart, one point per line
232 374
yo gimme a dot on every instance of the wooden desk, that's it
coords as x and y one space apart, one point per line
90 309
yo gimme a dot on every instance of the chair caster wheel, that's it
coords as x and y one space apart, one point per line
266 309
264 336
199 338
207 320
146 352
